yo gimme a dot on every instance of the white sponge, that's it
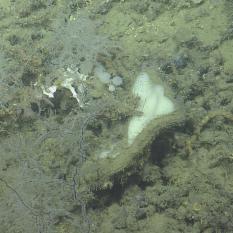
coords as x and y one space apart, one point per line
152 104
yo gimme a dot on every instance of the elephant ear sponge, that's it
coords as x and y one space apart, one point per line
153 103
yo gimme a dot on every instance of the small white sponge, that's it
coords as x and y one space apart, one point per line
152 104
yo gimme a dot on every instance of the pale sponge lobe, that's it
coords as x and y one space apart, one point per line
153 103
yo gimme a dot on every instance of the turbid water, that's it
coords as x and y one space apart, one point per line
67 68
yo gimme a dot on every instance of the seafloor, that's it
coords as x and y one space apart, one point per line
65 165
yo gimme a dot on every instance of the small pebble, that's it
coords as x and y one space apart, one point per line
117 81
111 88
102 74
197 1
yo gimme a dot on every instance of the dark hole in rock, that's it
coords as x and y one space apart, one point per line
14 40
28 77
35 108
161 147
